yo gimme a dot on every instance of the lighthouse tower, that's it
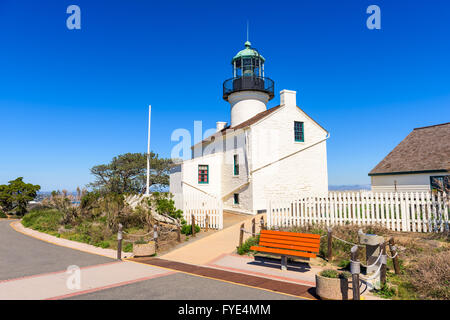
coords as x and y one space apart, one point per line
249 90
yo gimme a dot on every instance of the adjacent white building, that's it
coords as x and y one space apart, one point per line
420 163
263 153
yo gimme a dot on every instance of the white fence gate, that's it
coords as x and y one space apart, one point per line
416 212
202 205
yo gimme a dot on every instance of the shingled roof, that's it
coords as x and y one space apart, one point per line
425 149
241 125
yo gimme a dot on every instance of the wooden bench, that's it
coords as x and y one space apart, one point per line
288 244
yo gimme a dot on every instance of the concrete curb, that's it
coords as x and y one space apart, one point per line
110 253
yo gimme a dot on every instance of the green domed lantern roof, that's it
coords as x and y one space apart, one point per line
248 52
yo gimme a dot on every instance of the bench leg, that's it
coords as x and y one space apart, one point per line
283 263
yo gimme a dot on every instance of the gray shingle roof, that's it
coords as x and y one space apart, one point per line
425 149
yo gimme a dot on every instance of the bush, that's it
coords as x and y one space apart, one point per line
3 215
165 205
334 274
245 247
103 244
329 273
43 220
128 247
187 229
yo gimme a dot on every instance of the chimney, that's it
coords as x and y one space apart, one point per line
220 125
288 97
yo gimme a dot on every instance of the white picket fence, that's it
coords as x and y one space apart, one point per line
200 205
416 212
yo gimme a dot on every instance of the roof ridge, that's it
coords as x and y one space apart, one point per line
434 125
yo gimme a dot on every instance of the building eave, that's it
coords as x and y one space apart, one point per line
408 172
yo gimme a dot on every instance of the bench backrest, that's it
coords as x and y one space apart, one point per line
290 240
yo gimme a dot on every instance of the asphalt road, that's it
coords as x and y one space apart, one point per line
182 286
21 255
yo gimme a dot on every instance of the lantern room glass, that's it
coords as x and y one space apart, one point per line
248 66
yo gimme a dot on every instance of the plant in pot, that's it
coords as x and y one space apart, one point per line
333 285
142 248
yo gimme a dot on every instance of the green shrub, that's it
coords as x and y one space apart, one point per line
103 244
43 220
187 229
245 247
334 274
165 205
386 292
80 238
141 241
128 247
3 215
344 264
329 273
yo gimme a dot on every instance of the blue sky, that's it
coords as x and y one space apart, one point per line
71 99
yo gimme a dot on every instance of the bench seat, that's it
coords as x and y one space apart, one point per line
288 244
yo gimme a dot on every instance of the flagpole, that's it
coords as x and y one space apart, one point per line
147 192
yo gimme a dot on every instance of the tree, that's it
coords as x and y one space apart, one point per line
128 173
14 197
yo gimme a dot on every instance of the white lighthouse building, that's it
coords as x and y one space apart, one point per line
262 154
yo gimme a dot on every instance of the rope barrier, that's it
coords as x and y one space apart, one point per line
137 235
245 231
396 253
372 276
353 244
376 261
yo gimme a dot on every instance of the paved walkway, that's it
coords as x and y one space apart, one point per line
110 253
21 255
209 248
266 283
38 269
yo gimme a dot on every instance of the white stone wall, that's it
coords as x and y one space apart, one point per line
231 182
246 104
405 182
190 174
273 139
176 187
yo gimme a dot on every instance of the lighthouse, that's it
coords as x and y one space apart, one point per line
264 154
249 90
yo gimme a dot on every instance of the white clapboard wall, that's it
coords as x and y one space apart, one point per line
414 212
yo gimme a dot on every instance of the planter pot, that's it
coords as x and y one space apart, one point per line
144 250
333 288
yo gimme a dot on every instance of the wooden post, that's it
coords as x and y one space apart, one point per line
178 233
383 263
241 235
355 268
262 223
330 245
393 250
253 227
155 234
206 222
119 242
193 225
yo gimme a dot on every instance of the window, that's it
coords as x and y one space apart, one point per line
203 173
298 132
440 183
236 165
236 198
